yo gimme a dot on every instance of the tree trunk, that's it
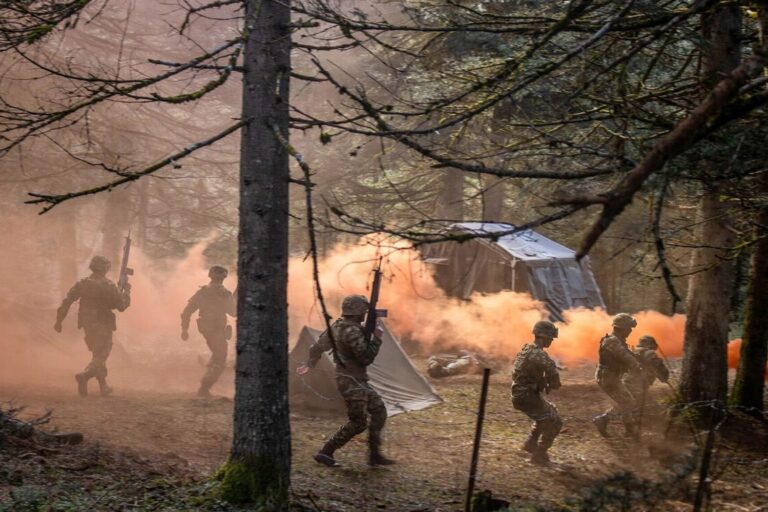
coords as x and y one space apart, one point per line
450 199
117 220
750 378
493 198
67 256
705 359
143 214
259 467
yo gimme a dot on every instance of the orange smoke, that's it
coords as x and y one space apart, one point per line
497 324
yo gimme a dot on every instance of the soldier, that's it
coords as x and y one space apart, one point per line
535 372
652 367
215 302
98 296
353 355
615 359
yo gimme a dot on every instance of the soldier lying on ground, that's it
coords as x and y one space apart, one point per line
353 356
446 365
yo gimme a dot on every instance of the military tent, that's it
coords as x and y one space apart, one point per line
525 261
392 374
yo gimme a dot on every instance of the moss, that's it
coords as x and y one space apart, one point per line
255 481
39 32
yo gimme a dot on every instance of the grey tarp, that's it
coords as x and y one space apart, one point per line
392 374
525 262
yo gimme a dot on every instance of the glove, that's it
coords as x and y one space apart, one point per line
57 327
127 288
184 335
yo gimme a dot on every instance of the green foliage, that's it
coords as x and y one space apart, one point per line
38 32
253 481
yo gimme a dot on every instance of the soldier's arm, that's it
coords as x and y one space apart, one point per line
659 367
323 344
622 353
122 299
232 306
72 295
193 304
551 375
364 352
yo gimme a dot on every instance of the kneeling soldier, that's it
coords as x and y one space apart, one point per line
535 372
353 355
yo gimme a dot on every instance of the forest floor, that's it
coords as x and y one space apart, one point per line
157 451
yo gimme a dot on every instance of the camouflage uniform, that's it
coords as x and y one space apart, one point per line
534 372
651 367
352 381
214 302
615 359
98 296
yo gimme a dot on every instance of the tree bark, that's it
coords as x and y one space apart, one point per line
705 359
493 198
748 389
68 263
259 467
450 199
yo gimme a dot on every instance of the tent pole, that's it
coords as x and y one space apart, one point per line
478 436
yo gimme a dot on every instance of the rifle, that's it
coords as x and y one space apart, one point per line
125 271
373 314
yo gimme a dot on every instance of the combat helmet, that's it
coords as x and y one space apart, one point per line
218 272
545 328
647 342
100 265
624 321
354 305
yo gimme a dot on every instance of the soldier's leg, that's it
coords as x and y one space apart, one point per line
548 423
216 364
356 398
524 404
378 412
551 424
99 342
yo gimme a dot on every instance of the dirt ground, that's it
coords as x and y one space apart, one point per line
190 438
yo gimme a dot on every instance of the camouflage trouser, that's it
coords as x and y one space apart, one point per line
98 339
626 404
218 361
547 422
362 400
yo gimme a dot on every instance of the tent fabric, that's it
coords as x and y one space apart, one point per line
524 262
392 374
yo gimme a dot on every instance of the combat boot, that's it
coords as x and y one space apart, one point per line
377 459
540 457
82 384
531 444
601 422
104 388
325 455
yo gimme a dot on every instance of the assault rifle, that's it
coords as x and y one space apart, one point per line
125 271
373 314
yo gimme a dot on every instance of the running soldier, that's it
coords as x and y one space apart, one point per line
353 356
214 302
534 373
615 360
98 296
652 367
